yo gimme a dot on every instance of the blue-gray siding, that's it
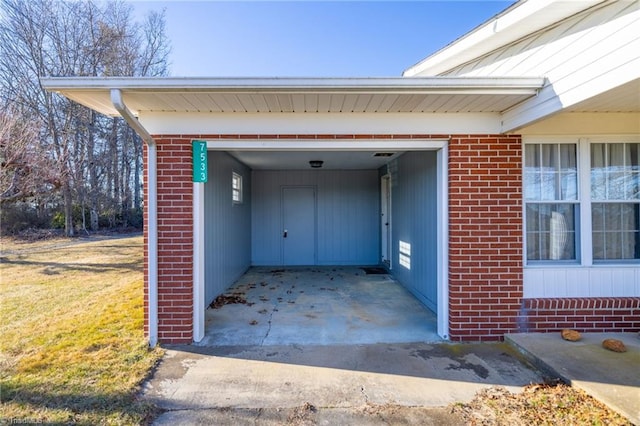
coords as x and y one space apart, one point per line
347 217
227 225
414 221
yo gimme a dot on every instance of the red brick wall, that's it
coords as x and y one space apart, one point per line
175 241
485 244
485 236
620 314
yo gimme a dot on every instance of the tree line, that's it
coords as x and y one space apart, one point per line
62 164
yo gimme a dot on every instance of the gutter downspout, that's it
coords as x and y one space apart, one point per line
152 211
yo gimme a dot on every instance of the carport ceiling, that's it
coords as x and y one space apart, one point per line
299 160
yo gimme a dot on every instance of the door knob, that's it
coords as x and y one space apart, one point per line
284 235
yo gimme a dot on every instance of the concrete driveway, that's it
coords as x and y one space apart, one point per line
401 383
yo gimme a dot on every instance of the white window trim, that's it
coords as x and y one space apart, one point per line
584 229
582 278
577 202
584 195
237 177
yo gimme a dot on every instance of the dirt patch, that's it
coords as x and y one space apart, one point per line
538 404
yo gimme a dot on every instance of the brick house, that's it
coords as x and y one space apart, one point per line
506 168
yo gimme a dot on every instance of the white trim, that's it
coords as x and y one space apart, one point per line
441 145
198 262
166 123
418 85
443 242
585 257
152 242
324 145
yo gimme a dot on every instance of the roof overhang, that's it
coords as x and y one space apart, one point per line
299 95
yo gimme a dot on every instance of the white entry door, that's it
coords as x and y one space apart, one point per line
299 225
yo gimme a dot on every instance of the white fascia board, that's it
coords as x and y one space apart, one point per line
520 20
291 85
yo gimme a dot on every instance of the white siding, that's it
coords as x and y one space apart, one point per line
588 40
597 281
585 56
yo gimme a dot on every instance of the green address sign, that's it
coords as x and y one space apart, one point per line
200 167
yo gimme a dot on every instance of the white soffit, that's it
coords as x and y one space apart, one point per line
519 20
300 95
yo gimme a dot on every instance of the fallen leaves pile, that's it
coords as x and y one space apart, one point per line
538 404
226 299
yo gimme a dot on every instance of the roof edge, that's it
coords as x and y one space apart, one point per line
291 85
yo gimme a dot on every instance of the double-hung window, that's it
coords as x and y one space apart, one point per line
551 202
596 181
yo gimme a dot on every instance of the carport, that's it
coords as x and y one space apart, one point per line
387 145
326 205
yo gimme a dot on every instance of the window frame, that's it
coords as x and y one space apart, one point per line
575 202
583 216
607 200
236 177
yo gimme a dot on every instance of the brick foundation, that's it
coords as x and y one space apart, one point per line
596 315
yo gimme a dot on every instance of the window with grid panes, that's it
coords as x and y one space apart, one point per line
551 202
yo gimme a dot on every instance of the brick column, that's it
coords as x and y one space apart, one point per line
175 241
485 236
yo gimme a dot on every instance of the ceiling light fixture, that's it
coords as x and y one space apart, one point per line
316 164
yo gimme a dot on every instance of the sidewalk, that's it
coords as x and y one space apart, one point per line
610 377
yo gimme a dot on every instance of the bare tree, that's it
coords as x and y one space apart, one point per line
26 169
97 159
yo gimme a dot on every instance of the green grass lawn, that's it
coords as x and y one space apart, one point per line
72 347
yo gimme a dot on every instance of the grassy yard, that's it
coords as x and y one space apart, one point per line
72 347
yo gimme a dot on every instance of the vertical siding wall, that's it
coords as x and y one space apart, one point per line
227 225
347 218
414 183
485 236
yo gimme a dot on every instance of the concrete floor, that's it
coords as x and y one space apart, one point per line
318 306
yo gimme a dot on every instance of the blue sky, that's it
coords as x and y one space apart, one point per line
312 38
